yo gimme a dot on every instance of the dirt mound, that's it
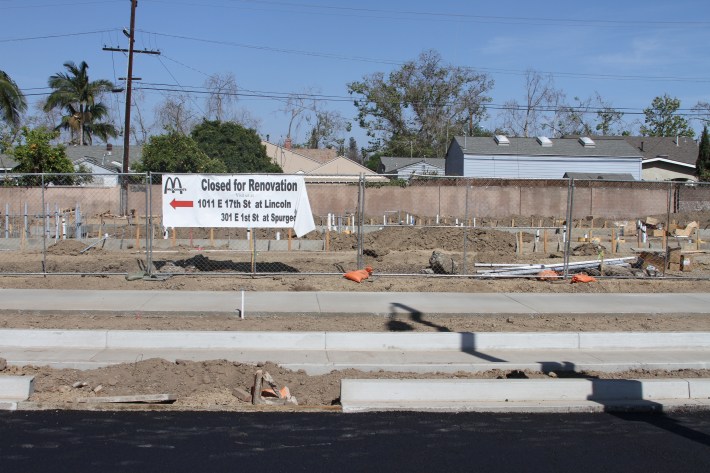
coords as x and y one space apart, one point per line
588 249
217 384
72 248
436 238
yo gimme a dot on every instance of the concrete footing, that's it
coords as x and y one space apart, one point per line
523 395
14 389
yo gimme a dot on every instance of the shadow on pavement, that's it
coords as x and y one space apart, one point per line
468 339
662 421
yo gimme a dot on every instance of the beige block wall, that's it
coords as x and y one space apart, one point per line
340 199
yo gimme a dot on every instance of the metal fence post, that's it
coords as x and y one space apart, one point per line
465 231
360 221
44 237
149 234
568 227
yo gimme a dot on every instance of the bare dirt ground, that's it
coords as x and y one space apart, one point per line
211 385
216 385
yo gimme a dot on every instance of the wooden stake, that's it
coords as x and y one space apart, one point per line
211 236
251 250
174 237
520 243
138 237
613 241
544 241
327 240
289 239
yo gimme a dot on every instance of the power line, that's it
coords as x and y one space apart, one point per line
52 36
45 5
279 50
429 15
280 96
577 75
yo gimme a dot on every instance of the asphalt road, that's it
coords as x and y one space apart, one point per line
60 441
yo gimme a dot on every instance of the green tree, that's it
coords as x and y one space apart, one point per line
661 119
78 97
176 153
417 108
12 101
702 165
353 153
238 148
37 155
373 162
326 128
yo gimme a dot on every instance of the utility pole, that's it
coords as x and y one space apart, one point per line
129 84
127 128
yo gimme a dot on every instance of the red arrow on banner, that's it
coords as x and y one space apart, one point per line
180 203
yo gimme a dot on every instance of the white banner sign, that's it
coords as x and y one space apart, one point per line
244 201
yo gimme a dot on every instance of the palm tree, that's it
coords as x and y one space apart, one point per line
12 101
76 94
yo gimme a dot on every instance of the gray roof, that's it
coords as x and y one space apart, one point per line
603 147
607 176
7 161
100 154
685 150
391 164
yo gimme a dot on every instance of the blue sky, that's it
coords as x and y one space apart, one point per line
629 52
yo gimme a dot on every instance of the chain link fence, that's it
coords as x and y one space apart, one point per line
73 223
426 225
641 228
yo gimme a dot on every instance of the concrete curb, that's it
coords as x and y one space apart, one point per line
14 389
351 341
362 395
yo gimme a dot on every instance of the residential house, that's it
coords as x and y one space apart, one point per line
106 157
405 168
105 161
541 157
319 164
666 158
7 163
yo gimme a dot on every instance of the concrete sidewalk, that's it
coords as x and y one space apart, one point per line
345 303
321 352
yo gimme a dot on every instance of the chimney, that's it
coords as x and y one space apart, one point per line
642 146
287 143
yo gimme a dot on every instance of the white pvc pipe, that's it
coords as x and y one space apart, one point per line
241 312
